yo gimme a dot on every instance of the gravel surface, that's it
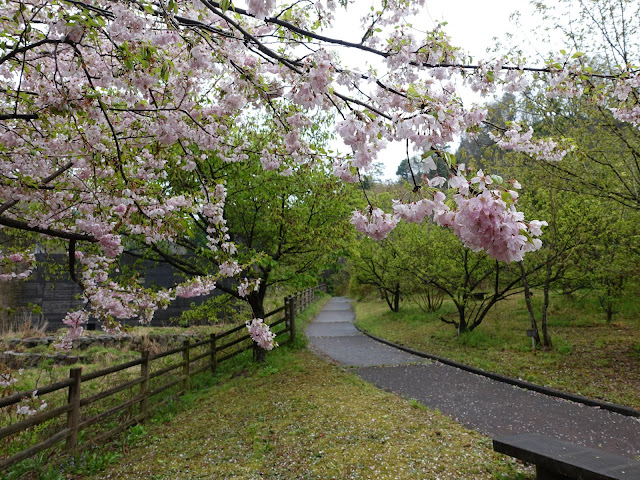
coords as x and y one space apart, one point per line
488 406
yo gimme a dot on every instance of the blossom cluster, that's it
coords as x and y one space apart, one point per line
485 217
519 140
374 223
12 261
29 405
246 285
261 334
75 321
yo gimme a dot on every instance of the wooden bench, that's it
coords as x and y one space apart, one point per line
558 460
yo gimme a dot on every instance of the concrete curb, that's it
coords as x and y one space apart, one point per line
612 407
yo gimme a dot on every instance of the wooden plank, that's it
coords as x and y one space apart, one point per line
109 392
568 459
107 413
173 351
200 343
231 344
233 354
33 421
233 330
114 369
277 310
101 438
31 451
200 370
277 322
165 370
164 387
198 357
17 397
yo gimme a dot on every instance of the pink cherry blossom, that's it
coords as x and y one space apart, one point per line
374 223
261 334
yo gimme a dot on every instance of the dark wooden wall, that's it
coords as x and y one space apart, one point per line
56 294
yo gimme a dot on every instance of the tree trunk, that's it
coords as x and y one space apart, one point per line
384 294
396 298
259 353
527 298
462 325
546 336
256 302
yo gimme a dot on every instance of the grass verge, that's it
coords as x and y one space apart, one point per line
298 417
589 357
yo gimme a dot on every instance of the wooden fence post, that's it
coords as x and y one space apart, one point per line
144 386
213 352
185 365
73 416
292 318
287 321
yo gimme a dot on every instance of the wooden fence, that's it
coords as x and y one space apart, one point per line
145 378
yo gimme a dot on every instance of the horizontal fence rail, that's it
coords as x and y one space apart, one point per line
80 407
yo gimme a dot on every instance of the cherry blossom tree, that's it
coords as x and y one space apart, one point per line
100 99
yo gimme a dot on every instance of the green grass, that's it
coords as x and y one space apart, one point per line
298 417
589 357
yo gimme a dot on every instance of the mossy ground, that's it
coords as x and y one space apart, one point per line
590 357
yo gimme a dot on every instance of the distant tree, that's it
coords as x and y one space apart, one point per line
416 167
472 281
375 264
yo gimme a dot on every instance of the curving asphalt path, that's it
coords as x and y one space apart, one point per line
493 408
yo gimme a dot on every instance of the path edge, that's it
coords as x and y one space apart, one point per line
591 402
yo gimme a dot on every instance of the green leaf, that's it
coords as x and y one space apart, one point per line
449 158
507 198
526 234
224 5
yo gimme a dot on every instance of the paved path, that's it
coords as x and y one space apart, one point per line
488 406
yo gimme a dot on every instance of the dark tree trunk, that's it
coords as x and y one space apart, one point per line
259 353
392 297
256 302
546 336
462 324
396 298
527 298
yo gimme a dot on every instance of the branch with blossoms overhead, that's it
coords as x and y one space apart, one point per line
102 102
